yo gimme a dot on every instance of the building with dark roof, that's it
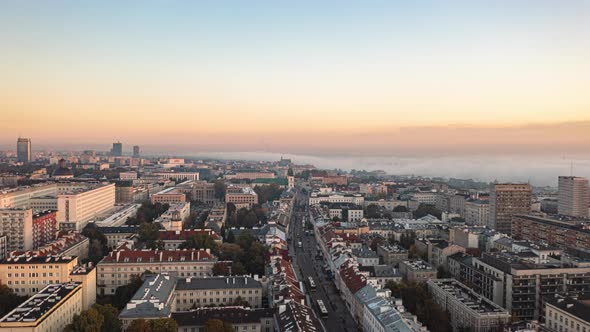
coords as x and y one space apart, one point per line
295 317
568 313
197 292
240 318
51 309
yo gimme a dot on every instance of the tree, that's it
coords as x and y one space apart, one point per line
97 247
336 219
111 317
87 321
124 293
199 241
373 211
9 300
268 193
231 238
217 325
149 234
375 243
220 269
219 187
139 325
164 325
426 209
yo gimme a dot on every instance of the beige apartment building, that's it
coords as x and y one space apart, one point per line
50 310
245 198
568 313
201 292
417 270
573 196
507 200
17 225
76 208
27 275
204 192
168 196
120 266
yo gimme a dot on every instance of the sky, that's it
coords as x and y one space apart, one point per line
310 77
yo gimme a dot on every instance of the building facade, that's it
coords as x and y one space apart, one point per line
507 200
17 225
573 196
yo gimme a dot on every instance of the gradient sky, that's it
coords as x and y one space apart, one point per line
301 75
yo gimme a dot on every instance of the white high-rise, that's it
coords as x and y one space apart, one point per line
573 197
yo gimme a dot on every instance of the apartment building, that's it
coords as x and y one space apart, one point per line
507 200
77 208
425 197
50 310
200 292
477 212
519 285
417 270
317 198
573 196
392 254
44 227
119 266
204 192
168 196
568 313
20 197
245 198
43 203
560 233
27 275
153 300
250 175
177 176
17 225
173 239
467 309
175 216
116 234
240 318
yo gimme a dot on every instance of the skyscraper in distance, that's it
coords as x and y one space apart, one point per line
507 200
117 149
136 150
23 149
573 196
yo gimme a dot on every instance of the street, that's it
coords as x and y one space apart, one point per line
306 264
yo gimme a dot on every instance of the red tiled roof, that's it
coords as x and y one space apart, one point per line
354 282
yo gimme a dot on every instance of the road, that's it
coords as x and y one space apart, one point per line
306 264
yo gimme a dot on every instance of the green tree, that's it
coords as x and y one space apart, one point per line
217 325
139 325
426 209
111 317
220 269
200 241
87 321
149 235
124 293
164 325
231 238
9 300
97 248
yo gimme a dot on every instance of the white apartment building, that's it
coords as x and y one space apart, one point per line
20 197
568 313
316 198
76 209
477 212
17 225
425 197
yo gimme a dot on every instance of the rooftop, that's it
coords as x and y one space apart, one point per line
468 297
231 315
41 303
578 306
217 283
151 300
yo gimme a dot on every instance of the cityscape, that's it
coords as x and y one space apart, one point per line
379 166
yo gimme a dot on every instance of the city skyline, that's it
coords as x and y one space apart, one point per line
297 77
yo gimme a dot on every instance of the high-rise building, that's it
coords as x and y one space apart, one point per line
573 197
507 200
23 149
117 149
136 150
